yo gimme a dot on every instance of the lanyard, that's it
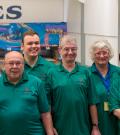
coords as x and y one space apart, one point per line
105 80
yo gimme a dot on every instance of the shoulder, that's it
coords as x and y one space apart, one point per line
83 68
55 68
33 79
46 62
115 71
117 68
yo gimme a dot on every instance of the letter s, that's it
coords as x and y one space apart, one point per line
16 10
1 16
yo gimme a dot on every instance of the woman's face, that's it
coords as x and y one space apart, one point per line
101 56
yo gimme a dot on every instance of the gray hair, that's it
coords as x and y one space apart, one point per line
100 44
67 39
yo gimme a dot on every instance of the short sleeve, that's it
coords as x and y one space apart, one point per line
92 94
42 98
48 87
114 98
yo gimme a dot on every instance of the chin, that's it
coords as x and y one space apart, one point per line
103 62
70 61
34 55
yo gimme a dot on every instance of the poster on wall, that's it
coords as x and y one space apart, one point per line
50 34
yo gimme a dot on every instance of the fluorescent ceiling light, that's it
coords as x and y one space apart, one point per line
82 1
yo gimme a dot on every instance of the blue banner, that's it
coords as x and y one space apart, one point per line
11 34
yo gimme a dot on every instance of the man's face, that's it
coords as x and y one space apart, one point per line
68 52
101 56
14 66
31 45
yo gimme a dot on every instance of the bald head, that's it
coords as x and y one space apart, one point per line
14 55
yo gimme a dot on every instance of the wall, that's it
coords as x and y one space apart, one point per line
101 22
119 29
74 23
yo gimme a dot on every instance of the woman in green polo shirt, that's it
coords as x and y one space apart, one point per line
102 75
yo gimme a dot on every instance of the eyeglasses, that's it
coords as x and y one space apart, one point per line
104 53
12 63
31 43
74 49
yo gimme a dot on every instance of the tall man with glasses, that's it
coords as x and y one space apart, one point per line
71 94
34 63
22 100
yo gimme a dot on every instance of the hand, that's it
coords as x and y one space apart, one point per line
55 131
95 131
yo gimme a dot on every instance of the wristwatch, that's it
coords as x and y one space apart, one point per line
94 125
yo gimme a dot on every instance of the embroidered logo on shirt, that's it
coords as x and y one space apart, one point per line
27 90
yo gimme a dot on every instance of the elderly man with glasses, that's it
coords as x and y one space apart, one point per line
23 102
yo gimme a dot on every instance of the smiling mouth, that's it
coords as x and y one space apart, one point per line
15 72
34 50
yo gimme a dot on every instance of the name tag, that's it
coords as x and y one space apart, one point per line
106 106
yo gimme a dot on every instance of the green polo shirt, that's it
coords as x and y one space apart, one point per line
21 106
40 69
107 122
70 94
114 100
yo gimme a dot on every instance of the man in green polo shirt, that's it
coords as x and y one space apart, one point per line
23 102
34 63
70 94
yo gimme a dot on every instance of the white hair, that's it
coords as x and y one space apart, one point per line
67 39
100 44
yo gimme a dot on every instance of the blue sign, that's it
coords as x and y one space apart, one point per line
11 34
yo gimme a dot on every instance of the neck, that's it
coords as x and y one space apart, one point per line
31 60
103 69
14 81
68 66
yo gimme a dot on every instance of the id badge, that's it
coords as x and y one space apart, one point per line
106 106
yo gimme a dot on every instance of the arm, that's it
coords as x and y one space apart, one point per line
94 119
47 122
114 102
48 93
45 110
93 100
116 112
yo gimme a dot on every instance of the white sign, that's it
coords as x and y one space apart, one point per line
31 11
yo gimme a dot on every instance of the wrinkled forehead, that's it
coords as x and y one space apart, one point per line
69 44
14 57
101 49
